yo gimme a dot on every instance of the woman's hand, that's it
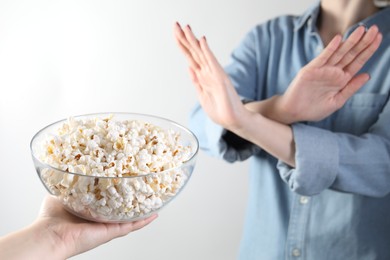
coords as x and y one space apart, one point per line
75 235
326 83
319 89
57 234
222 104
216 93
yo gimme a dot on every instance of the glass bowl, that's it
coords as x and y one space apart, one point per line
115 199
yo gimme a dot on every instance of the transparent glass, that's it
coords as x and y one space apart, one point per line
125 198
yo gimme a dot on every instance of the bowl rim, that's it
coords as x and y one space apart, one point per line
185 129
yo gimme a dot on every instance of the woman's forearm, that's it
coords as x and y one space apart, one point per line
273 109
32 242
274 137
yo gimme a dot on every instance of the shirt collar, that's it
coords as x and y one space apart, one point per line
309 17
380 19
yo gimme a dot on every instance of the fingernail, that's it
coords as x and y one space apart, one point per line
365 26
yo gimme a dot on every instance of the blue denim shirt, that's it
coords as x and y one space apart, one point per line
335 204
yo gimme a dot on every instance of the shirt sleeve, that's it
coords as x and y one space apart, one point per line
353 163
217 141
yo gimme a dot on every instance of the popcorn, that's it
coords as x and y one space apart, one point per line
114 167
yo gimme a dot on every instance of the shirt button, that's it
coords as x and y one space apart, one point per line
304 200
296 252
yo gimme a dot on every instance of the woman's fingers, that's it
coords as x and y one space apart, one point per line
368 38
197 51
209 56
190 46
325 55
346 46
351 88
193 76
195 81
352 54
194 46
125 228
359 61
184 46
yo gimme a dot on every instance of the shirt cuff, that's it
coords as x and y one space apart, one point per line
316 160
219 142
237 148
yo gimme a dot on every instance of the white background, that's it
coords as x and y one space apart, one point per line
63 58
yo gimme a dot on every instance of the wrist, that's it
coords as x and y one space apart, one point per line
274 137
272 108
48 242
280 112
245 118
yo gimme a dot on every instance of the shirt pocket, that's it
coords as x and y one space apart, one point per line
359 113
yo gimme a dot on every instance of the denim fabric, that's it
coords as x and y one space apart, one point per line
335 204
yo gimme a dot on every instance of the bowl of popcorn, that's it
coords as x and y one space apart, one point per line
114 167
